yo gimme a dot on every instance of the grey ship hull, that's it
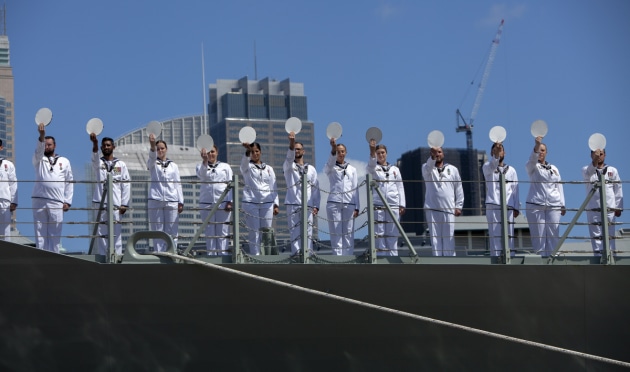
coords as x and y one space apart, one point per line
62 313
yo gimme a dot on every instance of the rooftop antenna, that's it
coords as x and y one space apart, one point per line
255 63
205 105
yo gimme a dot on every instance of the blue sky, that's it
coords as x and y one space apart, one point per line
404 66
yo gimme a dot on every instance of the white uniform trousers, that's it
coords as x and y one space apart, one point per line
5 220
256 217
544 225
442 232
48 220
163 216
595 230
294 218
386 231
217 230
102 240
341 227
493 216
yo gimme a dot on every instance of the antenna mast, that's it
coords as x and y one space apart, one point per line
468 126
255 63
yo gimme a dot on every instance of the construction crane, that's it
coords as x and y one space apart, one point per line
462 125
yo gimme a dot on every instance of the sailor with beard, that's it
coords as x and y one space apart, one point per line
102 166
52 192
294 167
614 198
492 171
443 201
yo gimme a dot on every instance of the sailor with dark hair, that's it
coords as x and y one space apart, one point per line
8 195
260 195
121 191
294 167
342 206
614 198
166 199
492 170
52 192
391 186
443 201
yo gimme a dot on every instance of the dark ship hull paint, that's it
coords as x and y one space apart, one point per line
62 313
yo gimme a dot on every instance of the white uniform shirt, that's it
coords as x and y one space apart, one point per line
343 182
260 183
120 175
389 182
293 175
209 193
614 192
491 172
544 188
8 181
165 182
443 186
53 176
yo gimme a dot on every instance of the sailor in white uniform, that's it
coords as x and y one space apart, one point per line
614 198
52 192
545 200
166 200
492 170
390 184
443 201
215 176
343 205
260 195
102 166
8 195
294 167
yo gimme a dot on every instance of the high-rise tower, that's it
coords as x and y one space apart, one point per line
7 127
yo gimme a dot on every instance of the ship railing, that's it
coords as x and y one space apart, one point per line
373 185
190 242
607 255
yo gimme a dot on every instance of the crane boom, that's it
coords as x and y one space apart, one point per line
486 74
467 127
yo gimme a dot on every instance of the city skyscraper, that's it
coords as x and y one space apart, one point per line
264 105
7 126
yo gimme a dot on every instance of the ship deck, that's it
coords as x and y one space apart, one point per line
61 312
